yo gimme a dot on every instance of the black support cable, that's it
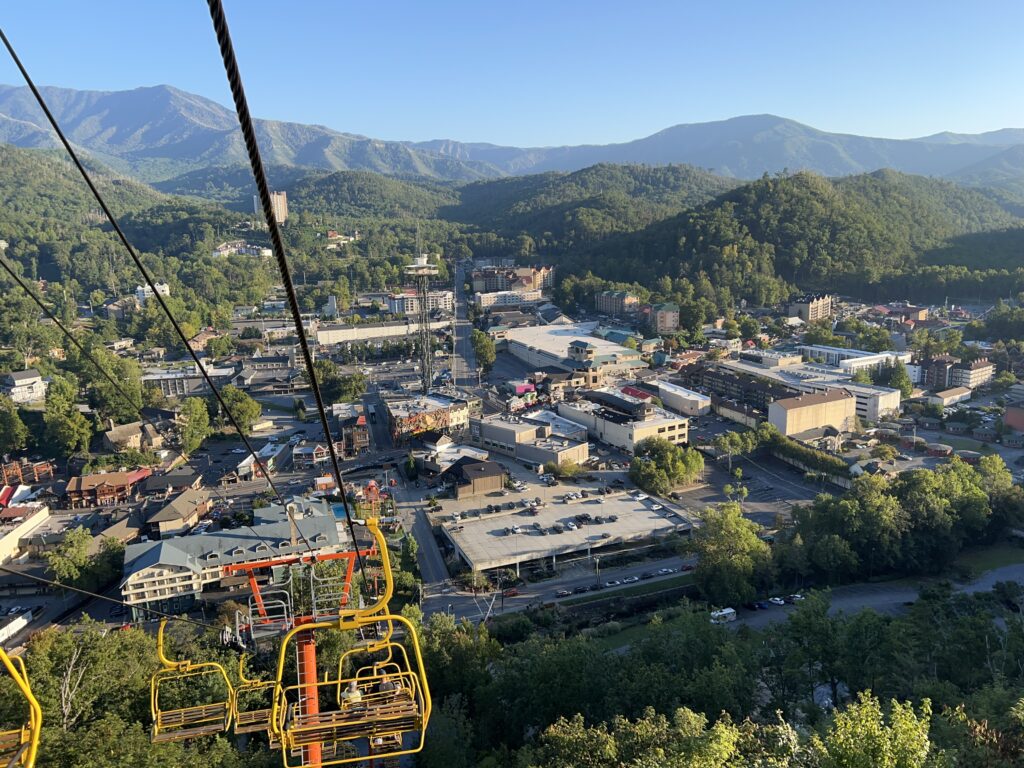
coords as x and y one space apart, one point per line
149 279
227 51
103 371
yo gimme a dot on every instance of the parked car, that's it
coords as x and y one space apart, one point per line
648 575
613 583
776 601
631 580
564 592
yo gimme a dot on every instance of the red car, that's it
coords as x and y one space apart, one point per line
511 592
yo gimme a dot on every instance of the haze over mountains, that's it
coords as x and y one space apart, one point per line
183 142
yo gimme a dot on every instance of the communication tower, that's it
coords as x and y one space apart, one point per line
420 272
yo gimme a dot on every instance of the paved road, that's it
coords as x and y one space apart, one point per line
475 607
890 599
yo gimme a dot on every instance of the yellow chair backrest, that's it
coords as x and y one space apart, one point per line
19 747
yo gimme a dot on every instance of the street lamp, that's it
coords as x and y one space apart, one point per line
597 568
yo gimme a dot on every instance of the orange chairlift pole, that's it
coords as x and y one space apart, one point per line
309 698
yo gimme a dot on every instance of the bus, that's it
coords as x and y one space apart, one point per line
372 413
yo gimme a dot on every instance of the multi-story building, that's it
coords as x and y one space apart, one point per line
433 412
408 302
490 279
24 386
571 347
525 439
104 488
170 575
937 372
617 303
874 403
353 435
180 514
743 388
813 307
682 400
852 360
143 292
834 408
279 204
622 421
663 318
508 298
972 375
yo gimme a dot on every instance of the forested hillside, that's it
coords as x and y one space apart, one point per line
858 235
360 194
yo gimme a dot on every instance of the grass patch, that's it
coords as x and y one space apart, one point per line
981 559
680 580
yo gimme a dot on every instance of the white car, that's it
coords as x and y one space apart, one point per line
776 601
238 450
15 610
641 496
656 507
631 580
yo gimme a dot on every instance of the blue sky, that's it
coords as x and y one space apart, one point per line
555 72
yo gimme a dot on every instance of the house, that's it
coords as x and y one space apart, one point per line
138 436
24 386
170 483
104 488
181 513
471 477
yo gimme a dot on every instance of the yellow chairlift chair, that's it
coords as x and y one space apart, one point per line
389 716
18 746
175 688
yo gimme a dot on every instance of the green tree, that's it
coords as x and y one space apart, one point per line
245 410
70 558
658 465
220 346
884 452
13 432
861 736
66 429
483 348
900 379
732 560
193 424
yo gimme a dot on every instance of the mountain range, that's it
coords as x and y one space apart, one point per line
182 142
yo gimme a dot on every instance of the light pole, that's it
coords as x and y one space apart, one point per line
597 568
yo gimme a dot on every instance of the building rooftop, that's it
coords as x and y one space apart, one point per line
555 339
817 398
270 534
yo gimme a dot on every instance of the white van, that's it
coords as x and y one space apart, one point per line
724 615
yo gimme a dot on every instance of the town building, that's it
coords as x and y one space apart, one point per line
144 293
278 204
180 514
170 575
103 489
352 435
874 403
683 400
622 421
433 412
526 440
616 302
948 397
572 347
182 381
812 307
470 477
17 522
834 408
407 302
24 386
972 375
171 482
530 278
851 361
137 436
663 318
328 335
508 298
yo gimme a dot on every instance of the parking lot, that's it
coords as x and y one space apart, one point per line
479 533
